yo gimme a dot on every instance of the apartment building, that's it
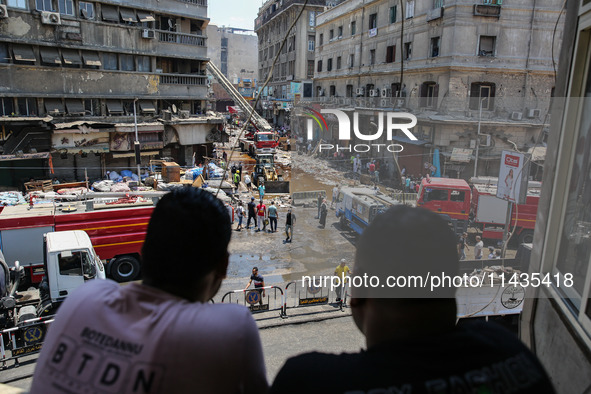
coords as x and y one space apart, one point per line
459 65
73 75
234 52
292 75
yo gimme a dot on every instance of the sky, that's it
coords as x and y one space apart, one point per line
233 13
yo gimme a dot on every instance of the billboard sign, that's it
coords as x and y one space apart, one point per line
513 177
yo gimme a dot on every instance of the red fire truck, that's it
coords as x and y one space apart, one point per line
261 142
453 197
116 231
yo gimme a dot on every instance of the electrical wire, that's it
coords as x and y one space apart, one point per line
256 101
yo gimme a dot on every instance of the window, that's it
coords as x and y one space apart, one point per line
312 18
332 90
349 90
487 46
393 14
435 46
372 56
6 106
70 263
144 63
127 63
437 3
110 61
395 89
44 5
391 54
17 4
319 66
435 195
457 195
340 31
4 54
92 107
353 28
311 43
482 93
310 70
329 65
86 10
330 34
321 39
66 7
338 63
410 9
352 60
428 95
373 21
407 50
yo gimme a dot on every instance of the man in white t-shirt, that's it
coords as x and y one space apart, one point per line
478 248
161 335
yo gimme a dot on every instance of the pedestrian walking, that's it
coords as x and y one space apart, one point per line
273 217
335 193
251 213
290 220
261 215
341 272
240 214
261 190
237 179
323 213
259 283
478 248
319 201
462 246
247 182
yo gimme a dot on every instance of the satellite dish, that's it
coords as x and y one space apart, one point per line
174 109
170 26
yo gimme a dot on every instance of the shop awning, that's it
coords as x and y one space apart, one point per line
50 56
54 106
152 127
91 59
109 13
74 106
127 15
144 16
23 53
71 57
406 140
147 153
114 107
147 106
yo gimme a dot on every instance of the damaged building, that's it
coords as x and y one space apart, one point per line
461 67
77 76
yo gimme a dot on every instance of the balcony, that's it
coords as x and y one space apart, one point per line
197 2
181 38
183 79
488 9
273 10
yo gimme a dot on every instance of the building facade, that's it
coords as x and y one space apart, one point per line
234 52
460 66
74 73
292 75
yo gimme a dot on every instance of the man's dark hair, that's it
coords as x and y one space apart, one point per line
409 242
188 234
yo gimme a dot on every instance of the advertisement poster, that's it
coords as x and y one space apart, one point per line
512 184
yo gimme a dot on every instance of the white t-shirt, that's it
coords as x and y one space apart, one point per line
109 338
478 249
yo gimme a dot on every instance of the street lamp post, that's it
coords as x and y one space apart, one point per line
136 145
478 134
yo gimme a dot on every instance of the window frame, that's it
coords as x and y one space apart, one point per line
44 4
66 4
16 6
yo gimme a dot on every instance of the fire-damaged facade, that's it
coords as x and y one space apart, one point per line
76 77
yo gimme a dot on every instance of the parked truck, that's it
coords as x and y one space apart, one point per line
480 206
262 142
69 261
117 232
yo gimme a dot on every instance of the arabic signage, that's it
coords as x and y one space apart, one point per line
461 155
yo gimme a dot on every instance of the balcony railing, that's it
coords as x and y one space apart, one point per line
197 2
181 38
182 79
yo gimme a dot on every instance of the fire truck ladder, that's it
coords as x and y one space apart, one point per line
257 119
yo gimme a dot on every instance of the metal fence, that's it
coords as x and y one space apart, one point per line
23 340
262 299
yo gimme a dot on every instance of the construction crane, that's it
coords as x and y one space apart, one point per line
259 122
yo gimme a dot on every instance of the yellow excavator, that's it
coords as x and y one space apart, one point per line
265 172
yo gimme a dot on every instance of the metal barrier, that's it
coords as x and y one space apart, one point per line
300 198
252 297
313 295
30 340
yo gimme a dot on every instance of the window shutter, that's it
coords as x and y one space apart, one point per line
423 95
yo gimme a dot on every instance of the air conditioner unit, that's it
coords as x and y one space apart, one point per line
184 114
485 140
361 91
374 93
148 33
386 92
533 113
3 11
385 103
50 18
400 102
516 115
